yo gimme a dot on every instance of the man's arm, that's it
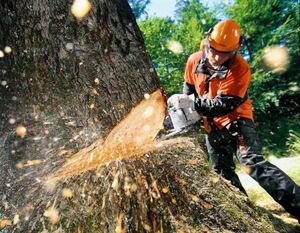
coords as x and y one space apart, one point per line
189 73
188 89
219 106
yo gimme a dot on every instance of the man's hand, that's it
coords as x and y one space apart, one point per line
181 101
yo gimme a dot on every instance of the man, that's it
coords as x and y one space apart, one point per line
219 77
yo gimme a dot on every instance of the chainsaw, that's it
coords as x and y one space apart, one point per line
181 115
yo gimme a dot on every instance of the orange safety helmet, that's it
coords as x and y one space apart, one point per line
225 36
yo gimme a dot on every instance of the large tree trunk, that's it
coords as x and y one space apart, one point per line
67 81
60 67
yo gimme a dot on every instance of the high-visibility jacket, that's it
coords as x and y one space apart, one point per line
235 84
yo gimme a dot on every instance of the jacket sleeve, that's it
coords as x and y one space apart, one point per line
189 73
237 80
218 106
189 69
188 89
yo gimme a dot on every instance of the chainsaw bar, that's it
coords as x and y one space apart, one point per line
173 133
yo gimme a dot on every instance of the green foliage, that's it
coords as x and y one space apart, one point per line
139 7
275 95
293 142
157 33
191 21
279 135
194 10
269 23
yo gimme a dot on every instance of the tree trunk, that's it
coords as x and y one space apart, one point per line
68 82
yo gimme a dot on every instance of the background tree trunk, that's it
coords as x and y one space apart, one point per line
67 81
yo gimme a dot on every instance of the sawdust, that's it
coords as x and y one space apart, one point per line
134 135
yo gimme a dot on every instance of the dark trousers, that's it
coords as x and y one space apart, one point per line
240 138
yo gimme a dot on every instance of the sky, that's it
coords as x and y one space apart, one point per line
163 8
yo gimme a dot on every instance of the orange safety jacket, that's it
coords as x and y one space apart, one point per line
235 84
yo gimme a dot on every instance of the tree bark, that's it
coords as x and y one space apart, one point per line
67 81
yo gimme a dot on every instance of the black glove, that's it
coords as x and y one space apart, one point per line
198 103
205 105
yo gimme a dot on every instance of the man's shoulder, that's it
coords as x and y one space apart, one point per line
240 64
240 61
195 56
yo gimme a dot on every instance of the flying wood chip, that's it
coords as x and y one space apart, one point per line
207 205
276 58
67 193
4 223
21 131
193 162
32 162
165 190
247 170
52 214
7 49
81 8
194 198
215 179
